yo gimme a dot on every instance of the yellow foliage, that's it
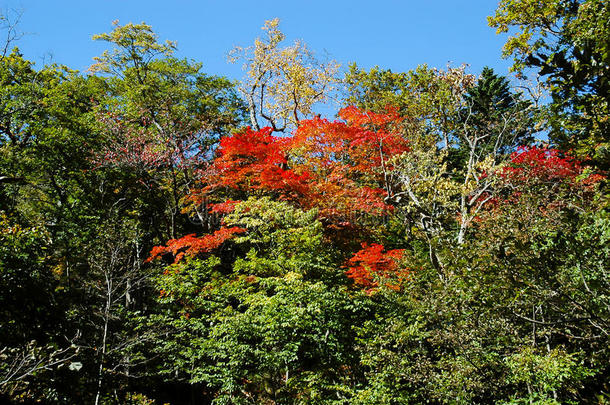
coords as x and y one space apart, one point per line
282 84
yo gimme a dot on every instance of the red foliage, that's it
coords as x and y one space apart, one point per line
539 182
541 165
191 245
347 160
341 168
224 207
533 168
254 160
138 145
338 167
371 263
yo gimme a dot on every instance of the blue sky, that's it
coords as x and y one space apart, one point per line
394 34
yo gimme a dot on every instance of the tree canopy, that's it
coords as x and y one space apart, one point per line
171 236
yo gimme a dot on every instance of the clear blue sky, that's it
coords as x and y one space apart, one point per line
394 34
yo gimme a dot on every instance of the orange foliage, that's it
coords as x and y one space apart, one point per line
362 143
340 167
191 245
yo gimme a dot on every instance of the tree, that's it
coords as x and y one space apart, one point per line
163 116
543 225
36 343
349 162
173 95
283 84
566 41
494 123
181 109
427 98
25 94
466 132
501 325
341 168
57 126
262 317
117 277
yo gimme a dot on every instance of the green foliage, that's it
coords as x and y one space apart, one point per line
262 327
567 42
136 46
429 97
281 238
152 88
81 282
23 273
31 341
544 373
494 120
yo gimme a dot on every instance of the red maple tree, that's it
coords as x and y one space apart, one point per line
341 168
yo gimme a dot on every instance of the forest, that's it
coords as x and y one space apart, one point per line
439 236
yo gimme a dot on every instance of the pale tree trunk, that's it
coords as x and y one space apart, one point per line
100 373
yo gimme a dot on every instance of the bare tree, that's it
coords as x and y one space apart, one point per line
9 21
116 263
21 363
